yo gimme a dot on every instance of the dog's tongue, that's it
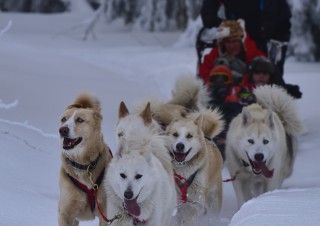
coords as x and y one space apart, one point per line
179 157
264 169
132 207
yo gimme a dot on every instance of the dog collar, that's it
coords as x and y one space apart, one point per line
180 164
90 166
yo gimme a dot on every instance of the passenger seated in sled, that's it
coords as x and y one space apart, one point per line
235 49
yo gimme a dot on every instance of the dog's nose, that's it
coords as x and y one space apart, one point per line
259 157
64 131
180 147
128 194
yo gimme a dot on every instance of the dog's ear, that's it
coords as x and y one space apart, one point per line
123 110
146 115
199 122
120 150
269 119
97 115
246 117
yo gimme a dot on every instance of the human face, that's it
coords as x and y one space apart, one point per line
233 46
261 78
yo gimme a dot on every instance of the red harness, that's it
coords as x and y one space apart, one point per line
91 193
183 184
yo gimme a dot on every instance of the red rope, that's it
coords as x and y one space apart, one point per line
182 186
109 221
235 175
229 180
98 205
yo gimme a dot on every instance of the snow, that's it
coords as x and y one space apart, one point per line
45 65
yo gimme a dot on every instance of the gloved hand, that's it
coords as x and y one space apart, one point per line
246 98
267 29
218 92
294 90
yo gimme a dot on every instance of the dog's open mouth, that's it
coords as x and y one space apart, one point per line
69 143
181 156
260 167
132 206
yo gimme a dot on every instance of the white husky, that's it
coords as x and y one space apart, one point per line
139 187
261 143
143 128
142 150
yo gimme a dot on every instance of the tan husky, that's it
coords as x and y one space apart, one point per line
84 157
197 163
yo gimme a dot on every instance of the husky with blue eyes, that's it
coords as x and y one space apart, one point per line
83 152
261 143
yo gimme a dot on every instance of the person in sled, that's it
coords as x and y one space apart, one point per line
266 22
234 49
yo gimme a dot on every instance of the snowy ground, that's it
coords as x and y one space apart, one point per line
44 66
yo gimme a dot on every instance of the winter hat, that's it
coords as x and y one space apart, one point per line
261 65
234 29
221 74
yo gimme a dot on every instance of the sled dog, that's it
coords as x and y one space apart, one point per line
189 94
261 143
139 188
142 127
83 152
197 163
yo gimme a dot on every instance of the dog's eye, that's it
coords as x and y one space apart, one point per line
120 134
189 136
63 119
251 141
265 141
80 120
138 176
175 134
123 175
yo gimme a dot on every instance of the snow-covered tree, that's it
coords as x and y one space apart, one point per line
305 29
45 6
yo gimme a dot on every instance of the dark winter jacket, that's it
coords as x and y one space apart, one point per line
265 19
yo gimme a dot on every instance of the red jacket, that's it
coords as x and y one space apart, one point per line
251 52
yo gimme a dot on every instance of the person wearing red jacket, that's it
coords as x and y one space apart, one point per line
235 49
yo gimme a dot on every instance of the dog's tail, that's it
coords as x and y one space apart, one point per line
278 100
86 100
190 92
211 121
